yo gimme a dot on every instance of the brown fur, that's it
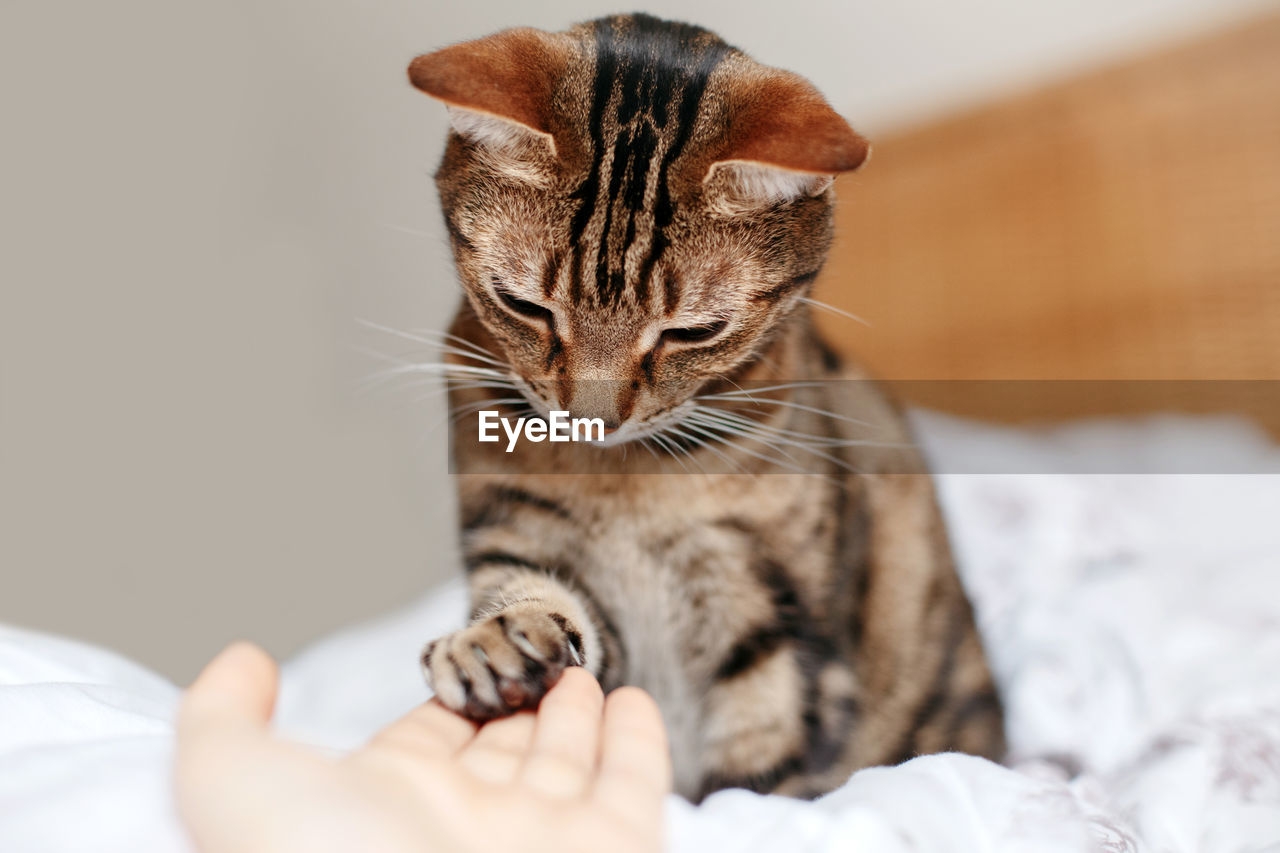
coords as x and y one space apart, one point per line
635 226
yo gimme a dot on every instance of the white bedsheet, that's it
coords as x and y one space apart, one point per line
1133 622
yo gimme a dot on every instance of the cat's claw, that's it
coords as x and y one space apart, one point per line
503 664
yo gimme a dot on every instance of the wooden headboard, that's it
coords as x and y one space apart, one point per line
1124 225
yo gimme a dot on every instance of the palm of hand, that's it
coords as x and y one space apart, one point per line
571 778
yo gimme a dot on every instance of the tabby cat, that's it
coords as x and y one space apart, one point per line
637 212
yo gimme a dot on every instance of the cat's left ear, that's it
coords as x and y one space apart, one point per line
498 88
785 143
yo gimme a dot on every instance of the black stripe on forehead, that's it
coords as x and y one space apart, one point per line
650 63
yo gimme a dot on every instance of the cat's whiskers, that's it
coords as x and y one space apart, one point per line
430 337
778 442
734 415
695 428
447 370
412 376
726 440
708 421
688 416
404 229
676 431
478 384
722 430
644 442
671 449
448 378
807 300
483 360
381 376
683 441
447 339
747 392
476 357
792 404
724 378
438 388
402 365
482 372
778 438
462 411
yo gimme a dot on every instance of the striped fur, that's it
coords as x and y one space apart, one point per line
637 211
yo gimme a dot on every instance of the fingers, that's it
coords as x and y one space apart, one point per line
635 762
222 722
237 688
563 755
498 750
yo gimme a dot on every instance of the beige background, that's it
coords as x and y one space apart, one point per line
197 200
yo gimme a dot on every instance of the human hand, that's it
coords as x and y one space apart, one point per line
584 774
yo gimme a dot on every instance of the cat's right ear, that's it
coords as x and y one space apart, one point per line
498 88
785 142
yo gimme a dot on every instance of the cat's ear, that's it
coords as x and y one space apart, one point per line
498 88
785 143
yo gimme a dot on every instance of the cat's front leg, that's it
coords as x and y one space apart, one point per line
528 628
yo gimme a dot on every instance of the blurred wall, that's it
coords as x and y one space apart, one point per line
196 202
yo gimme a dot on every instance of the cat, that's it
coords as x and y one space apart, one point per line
637 212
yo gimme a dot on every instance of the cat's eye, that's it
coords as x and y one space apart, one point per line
524 307
694 334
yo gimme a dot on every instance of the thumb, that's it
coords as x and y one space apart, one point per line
238 687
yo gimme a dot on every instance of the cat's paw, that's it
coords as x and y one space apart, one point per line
503 664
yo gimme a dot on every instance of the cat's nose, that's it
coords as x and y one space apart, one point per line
610 400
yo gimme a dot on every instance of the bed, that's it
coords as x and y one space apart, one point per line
1133 622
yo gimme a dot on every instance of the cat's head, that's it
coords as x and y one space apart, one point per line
635 206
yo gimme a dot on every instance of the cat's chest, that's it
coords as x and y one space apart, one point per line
679 570
681 582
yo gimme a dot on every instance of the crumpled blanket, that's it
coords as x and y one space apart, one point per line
1132 620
